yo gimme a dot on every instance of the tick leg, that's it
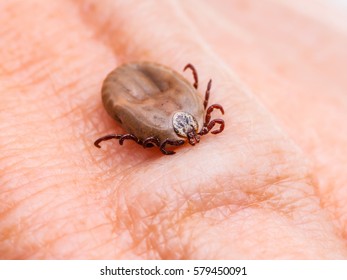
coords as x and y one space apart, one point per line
105 138
128 136
207 94
212 124
170 142
209 111
195 74
150 142
121 138
208 125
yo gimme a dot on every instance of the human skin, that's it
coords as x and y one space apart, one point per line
271 186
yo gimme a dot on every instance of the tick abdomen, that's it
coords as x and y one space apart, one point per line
144 97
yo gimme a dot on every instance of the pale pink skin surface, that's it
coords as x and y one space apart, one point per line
271 186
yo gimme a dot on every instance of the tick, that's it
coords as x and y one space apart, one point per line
157 106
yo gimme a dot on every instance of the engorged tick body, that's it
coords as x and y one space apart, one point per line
157 106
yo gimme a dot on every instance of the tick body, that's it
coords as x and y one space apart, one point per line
157 106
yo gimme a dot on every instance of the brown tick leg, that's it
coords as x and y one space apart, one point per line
209 111
208 125
128 136
195 74
170 142
207 94
105 138
150 142
212 124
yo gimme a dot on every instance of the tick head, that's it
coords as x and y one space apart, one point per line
186 126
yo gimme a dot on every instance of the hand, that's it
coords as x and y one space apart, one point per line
270 186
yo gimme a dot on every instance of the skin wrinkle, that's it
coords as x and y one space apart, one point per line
74 231
14 196
9 211
152 227
164 214
40 192
99 246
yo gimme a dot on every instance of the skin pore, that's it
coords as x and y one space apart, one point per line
271 186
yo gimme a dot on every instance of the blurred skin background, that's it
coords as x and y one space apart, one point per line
273 185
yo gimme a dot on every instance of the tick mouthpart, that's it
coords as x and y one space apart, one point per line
193 137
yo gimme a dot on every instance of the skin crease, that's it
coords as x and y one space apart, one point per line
271 186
